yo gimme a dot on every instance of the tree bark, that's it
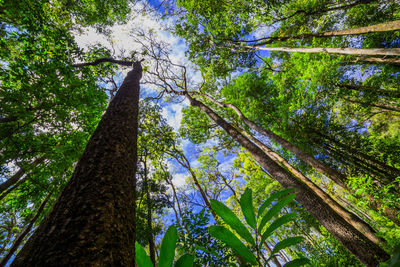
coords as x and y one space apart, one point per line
24 233
333 50
382 27
337 177
149 215
93 220
366 251
18 175
350 217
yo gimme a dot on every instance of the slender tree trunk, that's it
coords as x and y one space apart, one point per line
186 164
337 177
365 250
93 220
382 27
149 211
333 50
18 175
374 60
24 233
350 217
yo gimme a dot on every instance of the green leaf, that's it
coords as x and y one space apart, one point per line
230 219
226 236
276 224
290 241
297 262
246 203
142 259
168 245
185 261
275 210
274 196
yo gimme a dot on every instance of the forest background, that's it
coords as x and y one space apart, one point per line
273 95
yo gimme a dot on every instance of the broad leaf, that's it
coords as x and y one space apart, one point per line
168 245
232 241
297 262
185 261
275 210
142 259
276 224
274 196
246 203
230 219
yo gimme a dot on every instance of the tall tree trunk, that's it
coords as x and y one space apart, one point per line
18 175
365 250
382 27
337 177
24 233
149 211
333 50
350 217
374 60
93 220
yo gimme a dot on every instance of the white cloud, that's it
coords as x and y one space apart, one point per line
179 179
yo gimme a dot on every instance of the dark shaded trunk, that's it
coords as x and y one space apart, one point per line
18 175
93 220
369 89
24 233
366 251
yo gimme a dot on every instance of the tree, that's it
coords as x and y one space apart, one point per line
104 175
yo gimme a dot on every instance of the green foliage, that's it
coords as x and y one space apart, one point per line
167 252
228 217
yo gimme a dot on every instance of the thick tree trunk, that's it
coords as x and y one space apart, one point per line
366 251
337 177
333 50
93 220
24 233
18 175
382 27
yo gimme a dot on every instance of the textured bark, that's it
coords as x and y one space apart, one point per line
366 251
18 175
24 233
93 220
375 60
382 27
337 177
350 217
332 50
